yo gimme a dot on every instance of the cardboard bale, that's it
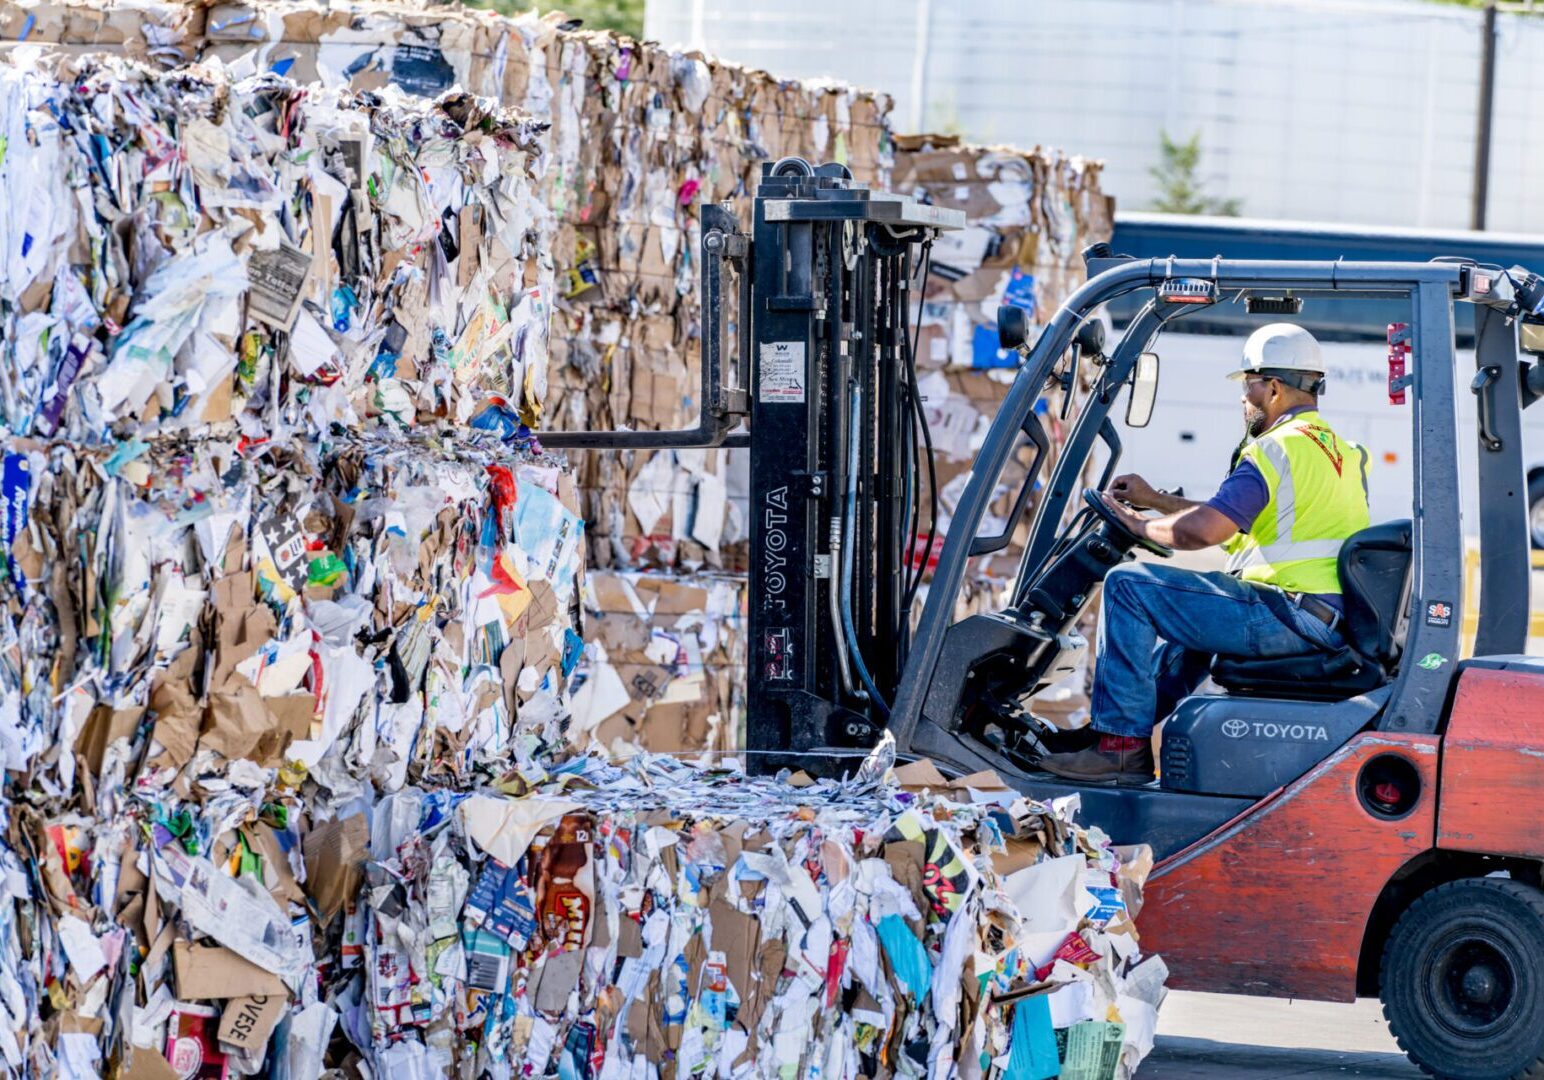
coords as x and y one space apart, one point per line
364 46
304 678
1028 216
330 296
664 663
642 138
157 32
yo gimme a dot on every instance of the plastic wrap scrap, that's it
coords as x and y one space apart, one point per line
187 253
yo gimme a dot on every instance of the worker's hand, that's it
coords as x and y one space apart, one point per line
1125 515
1133 489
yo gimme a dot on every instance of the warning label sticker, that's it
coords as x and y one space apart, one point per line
782 372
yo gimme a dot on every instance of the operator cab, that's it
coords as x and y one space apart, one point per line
1258 724
1264 723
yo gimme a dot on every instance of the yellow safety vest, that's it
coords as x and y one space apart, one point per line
1318 497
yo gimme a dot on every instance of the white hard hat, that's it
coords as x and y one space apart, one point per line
1280 346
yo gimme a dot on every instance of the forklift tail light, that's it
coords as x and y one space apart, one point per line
1188 291
1399 361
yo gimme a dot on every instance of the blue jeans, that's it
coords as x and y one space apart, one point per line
1160 625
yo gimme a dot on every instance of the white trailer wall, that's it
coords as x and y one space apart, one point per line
1331 110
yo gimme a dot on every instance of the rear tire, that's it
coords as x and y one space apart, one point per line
1536 510
1462 980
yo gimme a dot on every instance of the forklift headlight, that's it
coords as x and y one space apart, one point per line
1012 327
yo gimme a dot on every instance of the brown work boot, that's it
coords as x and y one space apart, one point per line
1125 759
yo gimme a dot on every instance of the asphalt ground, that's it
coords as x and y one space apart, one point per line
1218 1037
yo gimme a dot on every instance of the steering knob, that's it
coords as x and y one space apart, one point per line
1119 534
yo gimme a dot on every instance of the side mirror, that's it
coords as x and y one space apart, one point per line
1012 327
1144 391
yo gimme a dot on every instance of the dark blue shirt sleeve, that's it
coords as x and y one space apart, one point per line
1242 496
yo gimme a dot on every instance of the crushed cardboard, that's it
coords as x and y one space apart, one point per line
296 597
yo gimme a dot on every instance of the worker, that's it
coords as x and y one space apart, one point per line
1297 490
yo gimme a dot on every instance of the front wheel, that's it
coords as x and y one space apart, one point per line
1463 980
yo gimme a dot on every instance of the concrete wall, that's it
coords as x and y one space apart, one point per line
1333 110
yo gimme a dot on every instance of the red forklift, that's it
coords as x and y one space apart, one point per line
1327 826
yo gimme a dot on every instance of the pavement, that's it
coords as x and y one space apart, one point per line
1219 1037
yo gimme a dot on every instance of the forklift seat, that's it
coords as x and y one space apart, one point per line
1375 585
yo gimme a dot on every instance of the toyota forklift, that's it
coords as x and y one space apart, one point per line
1327 826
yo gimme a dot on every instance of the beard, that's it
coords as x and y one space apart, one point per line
1254 421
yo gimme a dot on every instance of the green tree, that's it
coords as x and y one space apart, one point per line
624 16
1180 189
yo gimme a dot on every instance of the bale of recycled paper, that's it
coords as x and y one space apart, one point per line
1029 214
266 258
664 664
641 137
362 47
600 917
165 33
382 610
223 653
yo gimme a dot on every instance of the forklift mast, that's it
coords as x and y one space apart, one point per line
834 485
823 371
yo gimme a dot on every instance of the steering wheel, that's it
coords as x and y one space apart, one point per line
1123 537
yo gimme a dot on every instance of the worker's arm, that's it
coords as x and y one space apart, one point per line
1187 525
1132 489
1192 528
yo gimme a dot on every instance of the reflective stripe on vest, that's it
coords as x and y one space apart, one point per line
1297 563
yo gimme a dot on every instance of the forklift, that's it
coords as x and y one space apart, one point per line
1326 826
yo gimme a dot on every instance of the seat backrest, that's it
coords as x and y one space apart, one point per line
1375 582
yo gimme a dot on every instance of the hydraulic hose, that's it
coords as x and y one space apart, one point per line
851 633
832 587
